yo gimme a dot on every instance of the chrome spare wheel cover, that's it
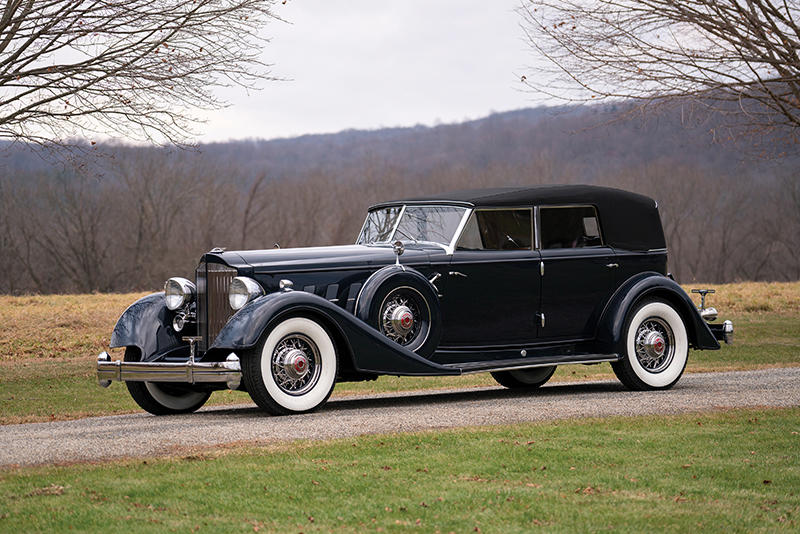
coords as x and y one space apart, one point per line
400 317
296 364
655 345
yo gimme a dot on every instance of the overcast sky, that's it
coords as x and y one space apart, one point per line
371 64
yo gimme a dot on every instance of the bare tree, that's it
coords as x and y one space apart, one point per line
138 68
732 55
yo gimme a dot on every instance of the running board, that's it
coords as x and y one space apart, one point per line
528 363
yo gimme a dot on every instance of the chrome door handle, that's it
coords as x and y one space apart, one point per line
456 273
612 265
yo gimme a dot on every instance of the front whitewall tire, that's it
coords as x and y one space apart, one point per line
265 387
179 403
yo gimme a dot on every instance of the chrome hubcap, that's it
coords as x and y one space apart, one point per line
655 345
399 319
402 319
296 364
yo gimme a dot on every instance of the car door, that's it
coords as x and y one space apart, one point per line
490 292
578 271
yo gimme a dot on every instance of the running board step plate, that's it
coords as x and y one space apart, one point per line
527 363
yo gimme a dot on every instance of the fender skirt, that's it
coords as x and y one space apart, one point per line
370 351
654 285
147 324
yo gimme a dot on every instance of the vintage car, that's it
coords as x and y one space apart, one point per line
511 281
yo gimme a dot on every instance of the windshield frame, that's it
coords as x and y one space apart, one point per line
449 248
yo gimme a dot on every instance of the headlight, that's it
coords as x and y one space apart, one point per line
242 291
178 292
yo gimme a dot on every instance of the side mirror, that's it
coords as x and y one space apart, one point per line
398 248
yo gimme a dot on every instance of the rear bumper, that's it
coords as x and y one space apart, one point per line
228 372
723 331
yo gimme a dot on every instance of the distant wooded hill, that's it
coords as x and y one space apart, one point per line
128 217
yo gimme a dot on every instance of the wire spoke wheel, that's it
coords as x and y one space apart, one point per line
296 364
405 316
655 344
655 347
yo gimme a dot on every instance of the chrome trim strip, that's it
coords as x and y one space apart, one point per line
228 372
459 230
512 365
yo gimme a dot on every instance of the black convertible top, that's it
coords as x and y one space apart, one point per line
628 220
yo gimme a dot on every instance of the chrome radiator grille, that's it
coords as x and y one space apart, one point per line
213 310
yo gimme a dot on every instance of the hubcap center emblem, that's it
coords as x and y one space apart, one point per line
402 320
655 345
296 364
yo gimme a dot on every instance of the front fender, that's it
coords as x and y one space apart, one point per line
370 351
147 324
651 284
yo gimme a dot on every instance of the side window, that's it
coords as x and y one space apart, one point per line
503 229
573 227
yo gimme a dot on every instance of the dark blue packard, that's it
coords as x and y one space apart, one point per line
512 281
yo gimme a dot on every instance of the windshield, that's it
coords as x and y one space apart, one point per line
436 224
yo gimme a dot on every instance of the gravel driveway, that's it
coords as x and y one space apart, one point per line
100 438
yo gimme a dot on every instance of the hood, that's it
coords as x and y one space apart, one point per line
315 258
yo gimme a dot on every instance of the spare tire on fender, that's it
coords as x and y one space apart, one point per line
402 304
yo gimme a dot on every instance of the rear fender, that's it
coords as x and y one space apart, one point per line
147 325
611 327
369 351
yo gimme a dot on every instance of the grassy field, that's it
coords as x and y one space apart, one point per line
48 345
733 471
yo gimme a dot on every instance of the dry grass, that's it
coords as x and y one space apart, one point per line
59 326
79 326
752 297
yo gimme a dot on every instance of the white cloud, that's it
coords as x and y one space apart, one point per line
369 64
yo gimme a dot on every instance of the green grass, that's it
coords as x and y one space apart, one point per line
45 389
733 471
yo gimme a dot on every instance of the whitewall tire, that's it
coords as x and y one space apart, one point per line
656 347
293 369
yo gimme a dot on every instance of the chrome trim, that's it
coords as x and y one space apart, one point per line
709 314
398 248
228 372
459 230
253 288
727 332
286 285
187 288
541 268
513 365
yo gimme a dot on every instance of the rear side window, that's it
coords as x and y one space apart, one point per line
570 227
504 229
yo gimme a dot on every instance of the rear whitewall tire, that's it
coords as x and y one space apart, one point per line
260 376
638 371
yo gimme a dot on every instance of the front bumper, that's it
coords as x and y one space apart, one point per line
228 372
723 331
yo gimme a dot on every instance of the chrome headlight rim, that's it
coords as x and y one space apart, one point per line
178 293
242 290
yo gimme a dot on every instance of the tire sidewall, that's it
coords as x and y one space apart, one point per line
416 282
667 313
533 377
328 363
186 402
